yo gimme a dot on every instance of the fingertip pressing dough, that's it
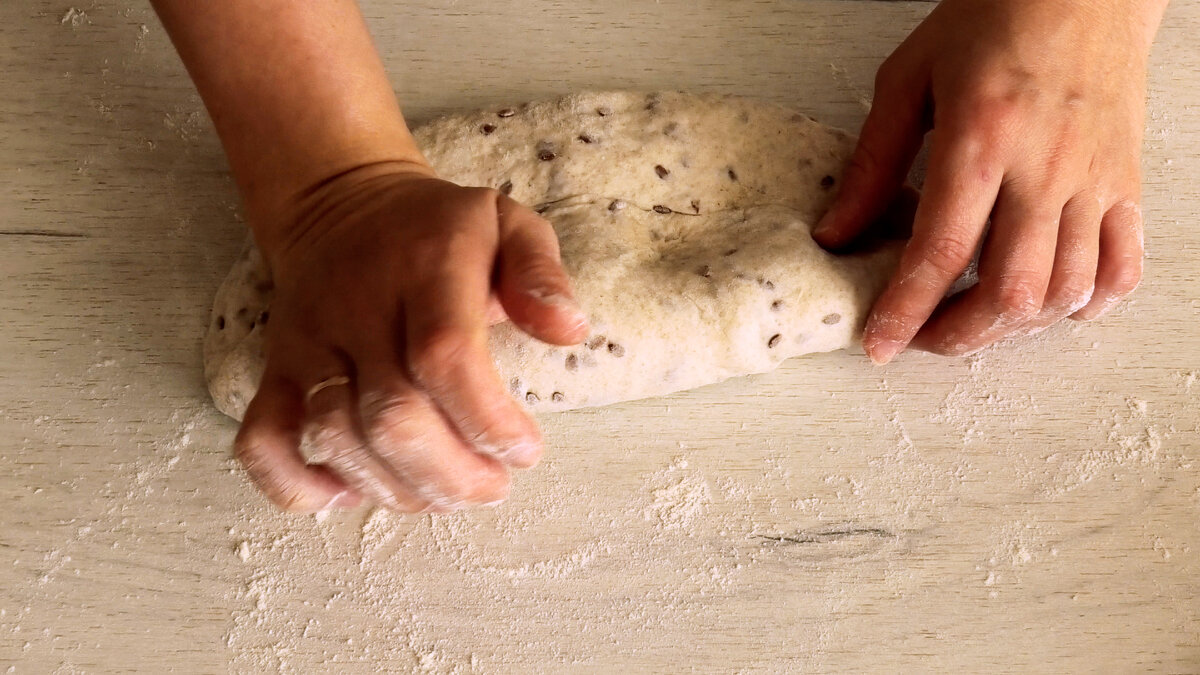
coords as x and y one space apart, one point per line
685 224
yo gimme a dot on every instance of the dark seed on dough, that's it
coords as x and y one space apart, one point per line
603 112
220 323
557 397
774 340
264 317
487 129
696 205
766 283
776 306
831 319
730 252
732 175
704 271
507 112
827 182
596 342
531 397
572 362
616 205
584 138
546 154
506 188
661 170
616 349
659 208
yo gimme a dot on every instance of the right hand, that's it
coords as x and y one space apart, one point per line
387 279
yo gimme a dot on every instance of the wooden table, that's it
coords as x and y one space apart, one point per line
1033 508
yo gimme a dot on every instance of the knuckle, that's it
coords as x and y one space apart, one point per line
542 267
328 442
390 409
392 423
1017 298
437 351
947 254
984 123
454 237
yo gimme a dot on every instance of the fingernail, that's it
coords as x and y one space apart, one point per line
556 299
565 303
883 351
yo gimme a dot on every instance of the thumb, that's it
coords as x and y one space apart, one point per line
532 286
890 139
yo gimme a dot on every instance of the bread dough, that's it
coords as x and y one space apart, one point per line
684 222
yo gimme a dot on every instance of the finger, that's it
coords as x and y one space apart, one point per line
1014 273
889 141
447 355
268 446
334 437
1119 270
405 430
533 286
1074 277
960 189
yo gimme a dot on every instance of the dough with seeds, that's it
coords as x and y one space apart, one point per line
684 222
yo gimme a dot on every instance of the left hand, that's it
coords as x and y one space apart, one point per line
1036 114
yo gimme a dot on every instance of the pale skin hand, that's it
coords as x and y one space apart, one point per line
1035 109
386 277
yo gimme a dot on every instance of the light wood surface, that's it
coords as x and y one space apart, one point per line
1031 509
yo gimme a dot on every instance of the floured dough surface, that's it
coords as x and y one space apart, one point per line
684 222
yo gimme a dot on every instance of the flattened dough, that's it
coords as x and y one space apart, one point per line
685 225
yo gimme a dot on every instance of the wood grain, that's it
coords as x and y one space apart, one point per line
1034 508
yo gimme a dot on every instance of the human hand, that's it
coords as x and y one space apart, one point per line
377 359
1035 109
